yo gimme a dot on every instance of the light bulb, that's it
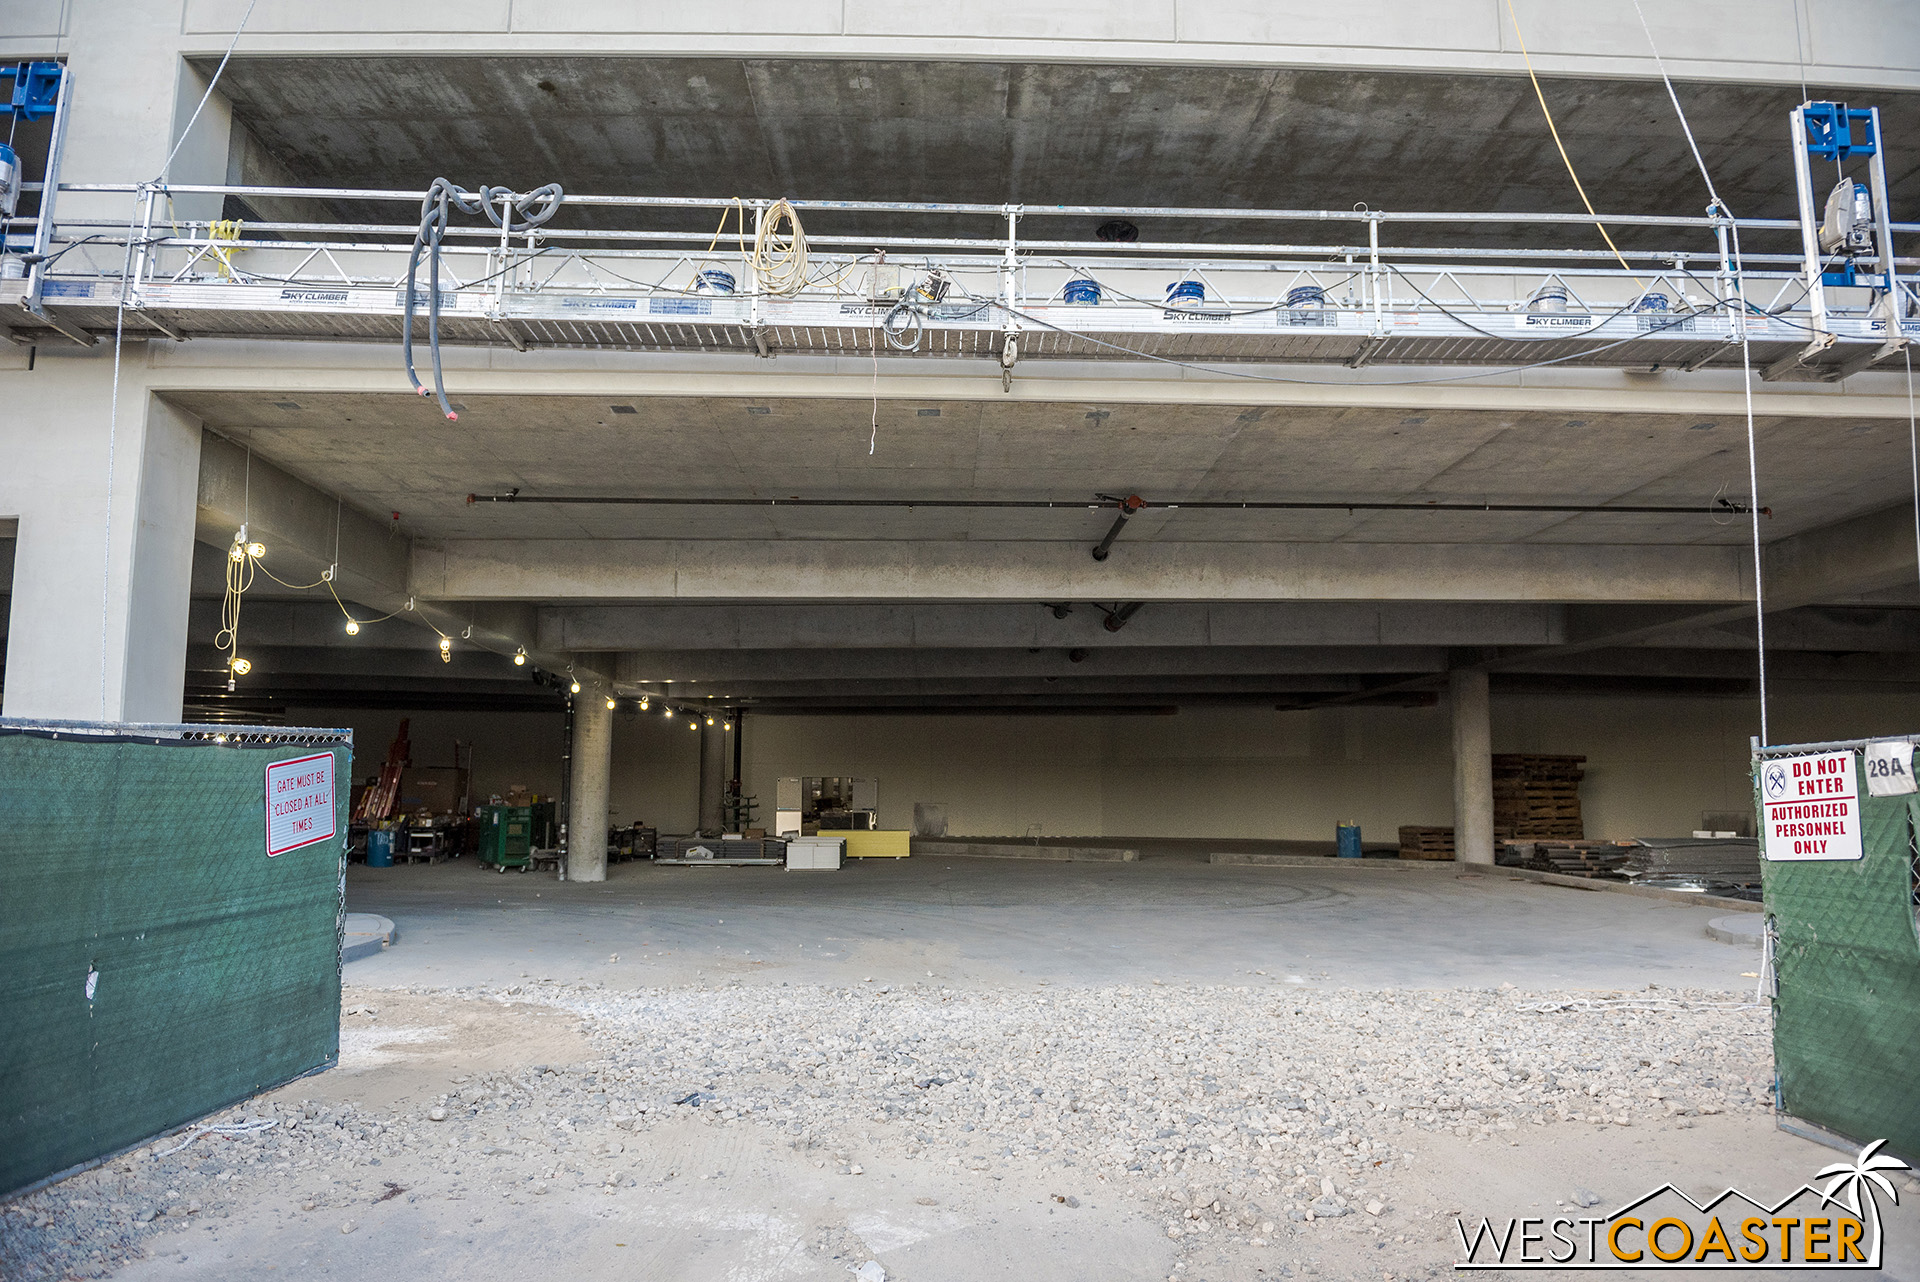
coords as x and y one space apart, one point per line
520 659
709 720
726 725
611 705
574 688
669 714
219 738
353 627
256 549
643 703
693 725
240 666
446 644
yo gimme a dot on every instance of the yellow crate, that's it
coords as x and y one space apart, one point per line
885 844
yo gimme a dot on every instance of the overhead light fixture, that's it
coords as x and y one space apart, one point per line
612 704
240 666
353 627
520 657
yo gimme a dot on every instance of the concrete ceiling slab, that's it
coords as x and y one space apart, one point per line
1031 133
383 453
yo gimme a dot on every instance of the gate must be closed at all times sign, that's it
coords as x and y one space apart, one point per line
1812 807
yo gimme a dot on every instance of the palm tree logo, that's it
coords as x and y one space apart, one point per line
1850 1179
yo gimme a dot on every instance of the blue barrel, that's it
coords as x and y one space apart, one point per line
1082 291
379 849
1652 302
1186 293
1346 840
713 280
1306 296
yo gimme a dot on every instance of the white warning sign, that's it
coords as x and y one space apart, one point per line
299 803
1812 807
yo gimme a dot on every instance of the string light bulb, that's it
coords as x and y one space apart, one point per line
611 704
520 657
353 627
693 724
709 720
643 703
446 649
573 687
726 725
669 714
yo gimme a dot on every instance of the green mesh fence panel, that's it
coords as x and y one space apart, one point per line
216 970
1846 1038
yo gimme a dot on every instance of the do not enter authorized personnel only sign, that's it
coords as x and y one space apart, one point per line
1812 807
299 803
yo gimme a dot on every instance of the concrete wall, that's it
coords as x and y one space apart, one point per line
1654 765
656 764
1841 41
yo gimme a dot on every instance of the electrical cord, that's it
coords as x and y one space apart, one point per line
1562 147
780 250
523 213
1322 382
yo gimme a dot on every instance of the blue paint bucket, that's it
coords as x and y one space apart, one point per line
1346 841
1654 302
379 849
1082 291
712 280
1306 296
1186 293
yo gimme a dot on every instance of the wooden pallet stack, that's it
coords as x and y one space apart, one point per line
1537 796
1417 842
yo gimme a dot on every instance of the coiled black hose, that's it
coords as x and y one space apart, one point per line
522 213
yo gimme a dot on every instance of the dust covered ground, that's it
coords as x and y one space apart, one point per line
729 1123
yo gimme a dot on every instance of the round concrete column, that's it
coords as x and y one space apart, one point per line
590 784
716 767
1472 768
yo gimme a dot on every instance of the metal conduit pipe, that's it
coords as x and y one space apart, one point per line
1719 507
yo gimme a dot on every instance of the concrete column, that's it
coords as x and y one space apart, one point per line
716 768
1472 768
590 785
133 95
97 629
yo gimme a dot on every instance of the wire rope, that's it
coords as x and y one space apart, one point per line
1746 363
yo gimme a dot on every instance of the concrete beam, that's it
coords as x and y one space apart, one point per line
779 626
267 368
744 569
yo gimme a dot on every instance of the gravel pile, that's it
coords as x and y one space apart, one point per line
1243 1116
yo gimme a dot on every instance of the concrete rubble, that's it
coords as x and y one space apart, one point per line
1253 1117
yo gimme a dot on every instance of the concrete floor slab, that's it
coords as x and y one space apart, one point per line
1000 921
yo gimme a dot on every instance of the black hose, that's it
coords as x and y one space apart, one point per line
523 213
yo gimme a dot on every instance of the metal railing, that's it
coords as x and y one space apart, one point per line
903 282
